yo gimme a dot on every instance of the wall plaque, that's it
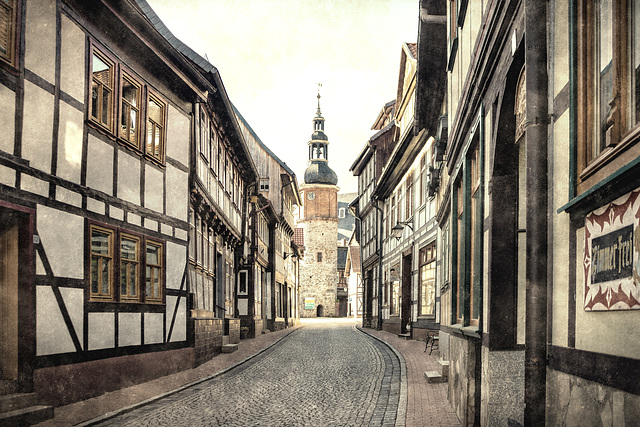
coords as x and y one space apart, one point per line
611 256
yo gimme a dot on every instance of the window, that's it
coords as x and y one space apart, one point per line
608 81
7 30
319 257
453 32
427 258
468 240
102 77
130 110
101 263
423 179
341 212
125 103
264 184
395 289
133 265
155 128
129 267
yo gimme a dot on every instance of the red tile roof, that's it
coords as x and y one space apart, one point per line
413 48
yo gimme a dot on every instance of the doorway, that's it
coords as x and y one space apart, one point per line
16 252
320 311
405 311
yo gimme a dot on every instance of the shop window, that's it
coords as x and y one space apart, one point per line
8 31
468 244
395 290
427 258
608 81
133 266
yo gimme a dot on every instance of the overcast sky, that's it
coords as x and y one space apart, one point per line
272 53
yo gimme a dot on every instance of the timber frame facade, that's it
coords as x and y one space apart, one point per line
125 188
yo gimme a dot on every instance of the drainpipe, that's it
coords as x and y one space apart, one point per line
535 15
374 201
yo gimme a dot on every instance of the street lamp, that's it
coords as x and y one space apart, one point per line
397 229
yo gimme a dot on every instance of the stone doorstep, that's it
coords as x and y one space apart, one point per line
405 336
27 416
229 348
444 367
225 340
12 402
434 377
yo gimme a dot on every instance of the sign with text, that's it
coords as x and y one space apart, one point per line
611 256
309 303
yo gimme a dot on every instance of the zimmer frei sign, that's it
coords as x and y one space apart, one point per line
611 256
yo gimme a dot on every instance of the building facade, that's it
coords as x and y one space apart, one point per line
368 168
273 302
318 218
94 199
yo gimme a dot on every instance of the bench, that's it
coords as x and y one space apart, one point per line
433 338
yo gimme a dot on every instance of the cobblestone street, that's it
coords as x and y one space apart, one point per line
325 374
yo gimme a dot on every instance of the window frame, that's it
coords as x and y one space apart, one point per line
115 295
621 131
125 75
427 261
13 30
112 63
137 262
163 126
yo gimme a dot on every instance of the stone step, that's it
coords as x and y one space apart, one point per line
26 416
229 348
434 377
444 367
11 402
406 336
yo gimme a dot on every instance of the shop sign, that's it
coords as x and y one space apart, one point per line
309 303
611 256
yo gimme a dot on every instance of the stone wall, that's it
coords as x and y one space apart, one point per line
502 400
462 378
318 280
208 338
572 400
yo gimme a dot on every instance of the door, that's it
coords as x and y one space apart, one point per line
8 299
405 315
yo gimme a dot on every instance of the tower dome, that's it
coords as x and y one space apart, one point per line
319 171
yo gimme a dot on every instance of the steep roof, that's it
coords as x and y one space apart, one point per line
342 257
298 237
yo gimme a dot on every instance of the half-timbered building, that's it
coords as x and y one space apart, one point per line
94 166
272 303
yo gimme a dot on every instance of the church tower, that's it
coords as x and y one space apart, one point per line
318 217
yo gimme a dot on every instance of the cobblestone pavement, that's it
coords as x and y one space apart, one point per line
325 374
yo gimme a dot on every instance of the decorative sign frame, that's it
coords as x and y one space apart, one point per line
612 256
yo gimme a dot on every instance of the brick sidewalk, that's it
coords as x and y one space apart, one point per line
427 404
82 411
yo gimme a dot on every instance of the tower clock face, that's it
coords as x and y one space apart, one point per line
311 195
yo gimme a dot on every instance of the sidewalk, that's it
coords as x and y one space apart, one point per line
427 404
82 411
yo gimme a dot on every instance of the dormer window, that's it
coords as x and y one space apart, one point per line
264 184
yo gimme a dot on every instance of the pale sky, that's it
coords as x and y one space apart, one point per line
272 53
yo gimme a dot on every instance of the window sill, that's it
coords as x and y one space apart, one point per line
467 331
609 154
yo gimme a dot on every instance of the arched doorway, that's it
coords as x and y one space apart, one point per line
320 311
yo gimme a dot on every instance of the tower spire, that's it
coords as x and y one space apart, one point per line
318 113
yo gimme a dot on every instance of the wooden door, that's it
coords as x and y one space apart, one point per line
8 299
405 311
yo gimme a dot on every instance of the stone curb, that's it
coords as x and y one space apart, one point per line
130 408
401 416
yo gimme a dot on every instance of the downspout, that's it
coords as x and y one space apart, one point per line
379 225
535 15
361 269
